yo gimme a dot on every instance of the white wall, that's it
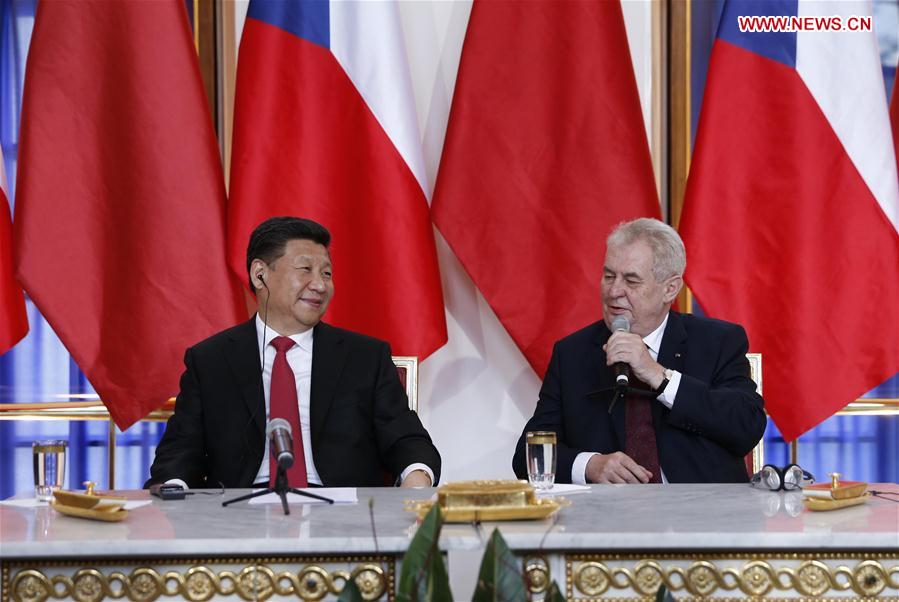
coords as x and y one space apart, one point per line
477 391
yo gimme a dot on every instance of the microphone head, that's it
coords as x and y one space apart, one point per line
277 424
621 323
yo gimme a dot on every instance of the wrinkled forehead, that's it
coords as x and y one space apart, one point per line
629 257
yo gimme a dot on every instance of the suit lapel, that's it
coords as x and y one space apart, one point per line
605 381
674 343
328 358
242 354
672 350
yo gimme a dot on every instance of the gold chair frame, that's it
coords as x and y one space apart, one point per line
755 373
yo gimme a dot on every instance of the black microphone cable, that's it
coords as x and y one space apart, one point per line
246 443
886 495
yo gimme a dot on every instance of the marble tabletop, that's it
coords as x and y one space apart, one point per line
608 517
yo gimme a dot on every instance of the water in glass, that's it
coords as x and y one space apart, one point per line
49 467
541 458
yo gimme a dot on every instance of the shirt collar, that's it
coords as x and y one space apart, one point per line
303 339
654 339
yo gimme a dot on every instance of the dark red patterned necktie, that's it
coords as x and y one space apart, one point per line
639 435
283 403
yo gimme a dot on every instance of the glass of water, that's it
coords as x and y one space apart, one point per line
49 467
541 458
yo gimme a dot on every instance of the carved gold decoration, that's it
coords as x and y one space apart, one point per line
88 586
199 583
871 578
374 576
647 576
590 576
536 573
31 585
758 578
702 578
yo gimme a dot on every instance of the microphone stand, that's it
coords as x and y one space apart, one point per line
281 488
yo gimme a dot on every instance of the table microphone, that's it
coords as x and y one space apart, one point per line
278 431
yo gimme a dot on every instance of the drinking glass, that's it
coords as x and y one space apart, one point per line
541 458
49 467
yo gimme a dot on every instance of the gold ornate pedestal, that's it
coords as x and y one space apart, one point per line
302 577
709 576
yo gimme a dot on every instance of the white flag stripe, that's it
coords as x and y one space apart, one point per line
367 40
843 73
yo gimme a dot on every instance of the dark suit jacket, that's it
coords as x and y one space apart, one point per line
362 426
717 417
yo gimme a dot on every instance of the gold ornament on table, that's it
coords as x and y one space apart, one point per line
465 501
89 504
834 495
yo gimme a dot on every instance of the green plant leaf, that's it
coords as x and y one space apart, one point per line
663 595
501 576
554 594
350 592
423 577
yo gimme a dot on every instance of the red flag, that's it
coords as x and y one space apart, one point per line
13 319
325 128
545 151
791 211
119 222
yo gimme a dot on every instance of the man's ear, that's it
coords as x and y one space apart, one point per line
257 273
672 288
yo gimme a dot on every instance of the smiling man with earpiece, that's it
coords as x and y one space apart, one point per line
339 391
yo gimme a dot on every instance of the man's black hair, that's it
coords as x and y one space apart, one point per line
269 240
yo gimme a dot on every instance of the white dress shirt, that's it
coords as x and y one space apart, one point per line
299 358
653 342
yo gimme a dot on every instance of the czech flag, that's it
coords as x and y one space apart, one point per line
792 205
325 128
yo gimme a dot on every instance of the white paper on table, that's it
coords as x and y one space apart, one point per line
28 502
132 504
562 489
340 495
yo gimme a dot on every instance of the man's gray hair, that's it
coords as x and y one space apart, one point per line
669 257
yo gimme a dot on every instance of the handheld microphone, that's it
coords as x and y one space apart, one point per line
622 369
278 431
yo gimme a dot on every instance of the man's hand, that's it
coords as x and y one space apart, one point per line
417 478
615 468
629 348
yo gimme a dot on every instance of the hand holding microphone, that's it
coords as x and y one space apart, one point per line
629 357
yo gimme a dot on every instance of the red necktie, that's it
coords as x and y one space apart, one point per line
283 404
639 434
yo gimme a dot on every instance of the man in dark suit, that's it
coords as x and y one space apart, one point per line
692 412
340 390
